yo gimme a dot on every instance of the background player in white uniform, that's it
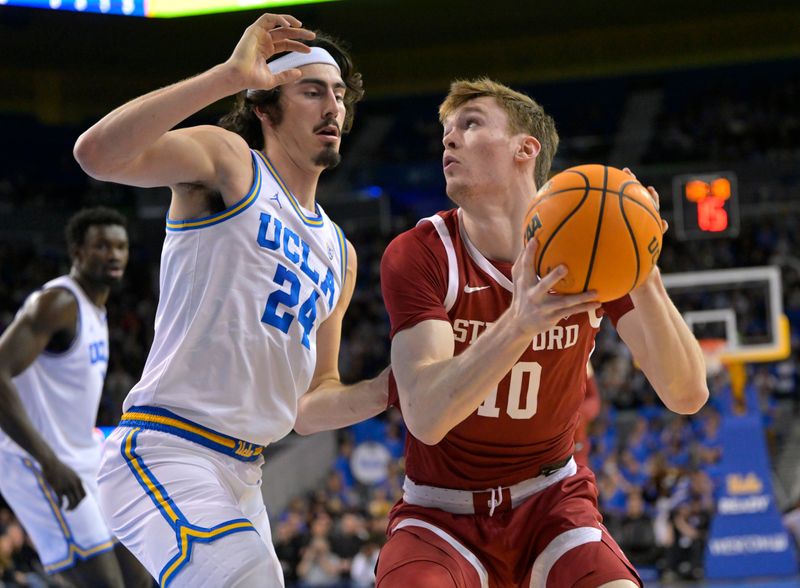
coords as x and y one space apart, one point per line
255 279
53 361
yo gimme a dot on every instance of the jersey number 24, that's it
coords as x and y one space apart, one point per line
281 320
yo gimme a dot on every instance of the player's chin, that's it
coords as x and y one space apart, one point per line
328 158
111 280
454 188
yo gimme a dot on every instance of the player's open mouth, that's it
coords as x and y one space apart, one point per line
329 133
448 161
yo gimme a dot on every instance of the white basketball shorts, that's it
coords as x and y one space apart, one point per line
186 501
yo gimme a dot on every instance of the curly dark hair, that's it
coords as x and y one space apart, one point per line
244 122
79 223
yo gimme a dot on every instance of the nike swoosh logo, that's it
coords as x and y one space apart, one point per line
470 289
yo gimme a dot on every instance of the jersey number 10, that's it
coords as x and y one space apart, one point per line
514 408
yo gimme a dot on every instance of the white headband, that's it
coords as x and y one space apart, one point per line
296 59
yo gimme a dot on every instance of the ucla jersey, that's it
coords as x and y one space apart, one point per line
243 293
61 391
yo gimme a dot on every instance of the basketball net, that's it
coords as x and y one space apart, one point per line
713 350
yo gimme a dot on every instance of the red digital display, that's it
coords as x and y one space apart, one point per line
710 200
705 205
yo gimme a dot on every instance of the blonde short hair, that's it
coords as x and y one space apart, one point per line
525 115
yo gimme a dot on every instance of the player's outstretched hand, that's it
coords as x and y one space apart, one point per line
270 34
65 483
654 195
534 306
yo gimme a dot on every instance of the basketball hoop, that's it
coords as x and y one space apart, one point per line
712 351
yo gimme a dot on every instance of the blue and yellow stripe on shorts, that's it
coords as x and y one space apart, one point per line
161 419
311 221
186 533
75 552
230 212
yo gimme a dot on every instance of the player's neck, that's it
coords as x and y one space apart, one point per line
97 293
301 178
494 224
493 233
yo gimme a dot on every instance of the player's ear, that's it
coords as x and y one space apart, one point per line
262 116
74 253
528 148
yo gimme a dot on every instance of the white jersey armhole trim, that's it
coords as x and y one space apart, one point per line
452 264
482 262
76 340
463 551
180 226
557 548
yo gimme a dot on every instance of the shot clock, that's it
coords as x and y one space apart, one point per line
706 205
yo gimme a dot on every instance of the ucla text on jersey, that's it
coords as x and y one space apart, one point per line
274 236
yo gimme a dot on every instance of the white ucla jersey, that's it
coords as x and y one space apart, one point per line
243 293
61 391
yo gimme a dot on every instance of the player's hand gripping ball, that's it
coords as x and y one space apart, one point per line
602 224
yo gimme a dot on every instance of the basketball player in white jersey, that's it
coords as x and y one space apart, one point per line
53 360
255 279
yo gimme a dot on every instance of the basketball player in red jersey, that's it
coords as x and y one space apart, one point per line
490 370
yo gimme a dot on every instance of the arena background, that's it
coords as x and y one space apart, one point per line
670 89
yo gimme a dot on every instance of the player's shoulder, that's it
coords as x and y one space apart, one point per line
54 307
426 233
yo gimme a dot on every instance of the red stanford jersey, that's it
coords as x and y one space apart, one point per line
433 272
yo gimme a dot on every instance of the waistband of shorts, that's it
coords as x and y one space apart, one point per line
160 419
500 499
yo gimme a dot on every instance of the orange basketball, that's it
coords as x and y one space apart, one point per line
601 224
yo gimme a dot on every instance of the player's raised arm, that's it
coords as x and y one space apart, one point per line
664 347
662 343
135 143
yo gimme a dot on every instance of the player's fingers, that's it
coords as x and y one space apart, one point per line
285 77
523 266
628 171
664 226
561 302
78 494
579 308
654 195
287 45
270 21
291 20
551 279
291 33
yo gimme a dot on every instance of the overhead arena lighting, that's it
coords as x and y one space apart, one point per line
156 8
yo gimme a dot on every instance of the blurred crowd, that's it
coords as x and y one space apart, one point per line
657 472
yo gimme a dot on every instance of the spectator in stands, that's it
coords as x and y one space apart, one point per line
636 534
690 524
362 572
319 566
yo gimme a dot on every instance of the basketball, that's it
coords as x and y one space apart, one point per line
599 222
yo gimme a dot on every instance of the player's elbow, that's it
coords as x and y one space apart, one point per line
423 426
90 153
303 429
690 400
426 435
